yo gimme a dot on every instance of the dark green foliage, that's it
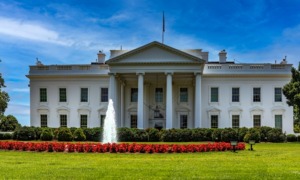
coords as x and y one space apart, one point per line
79 135
216 135
199 134
140 135
125 134
8 123
153 134
64 134
25 133
252 134
242 132
93 134
229 134
264 130
275 135
4 97
5 136
73 129
47 134
176 135
291 138
38 131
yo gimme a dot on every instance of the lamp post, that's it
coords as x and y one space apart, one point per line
233 143
251 142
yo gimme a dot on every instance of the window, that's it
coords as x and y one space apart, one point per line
102 119
256 94
83 121
183 94
158 94
235 94
214 121
278 94
256 121
62 95
63 120
44 120
235 121
214 94
278 121
84 95
133 121
134 94
43 95
183 121
104 94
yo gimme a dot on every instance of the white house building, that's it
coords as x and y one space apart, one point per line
159 86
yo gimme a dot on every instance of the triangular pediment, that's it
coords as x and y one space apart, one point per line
154 53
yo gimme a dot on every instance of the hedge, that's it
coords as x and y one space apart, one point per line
154 135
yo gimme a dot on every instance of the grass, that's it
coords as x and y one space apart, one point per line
267 161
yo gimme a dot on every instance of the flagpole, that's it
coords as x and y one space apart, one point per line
163 27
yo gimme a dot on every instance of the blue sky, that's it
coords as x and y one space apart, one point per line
71 32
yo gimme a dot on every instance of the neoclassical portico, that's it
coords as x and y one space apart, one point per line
157 67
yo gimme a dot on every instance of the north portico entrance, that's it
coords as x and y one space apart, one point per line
156 86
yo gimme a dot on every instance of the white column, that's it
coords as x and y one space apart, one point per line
169 113
112 87
140 107
122 104
197 110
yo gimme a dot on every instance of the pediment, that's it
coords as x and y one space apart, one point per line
155 53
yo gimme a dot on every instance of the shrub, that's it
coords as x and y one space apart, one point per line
5 136
25 133
79 135
153 134
291 138
297 128
229 134
170 135
242 132
93 134
125 134
264 130
72 129
199 134
64 134
275 135
9 123
252 134
216 135
140 135
47 135
38 131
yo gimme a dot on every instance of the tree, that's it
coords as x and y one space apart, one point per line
4 97
9 123
292 92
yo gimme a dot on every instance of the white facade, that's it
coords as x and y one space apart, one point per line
158 86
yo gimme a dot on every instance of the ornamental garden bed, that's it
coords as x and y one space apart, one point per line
116 148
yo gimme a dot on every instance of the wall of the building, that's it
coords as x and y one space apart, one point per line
246 108
268 108
73 107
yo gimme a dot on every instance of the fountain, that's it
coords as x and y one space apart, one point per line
110 129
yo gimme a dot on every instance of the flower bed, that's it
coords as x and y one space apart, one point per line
116 148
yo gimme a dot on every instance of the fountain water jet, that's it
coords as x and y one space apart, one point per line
110 129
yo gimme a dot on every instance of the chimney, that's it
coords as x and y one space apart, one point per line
222 56
101 57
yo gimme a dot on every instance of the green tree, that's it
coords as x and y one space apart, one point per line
292 92
4 98
9 123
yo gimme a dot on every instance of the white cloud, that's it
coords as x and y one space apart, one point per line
18 109
31 31
20 90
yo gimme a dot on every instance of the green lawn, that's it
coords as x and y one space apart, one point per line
268 161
